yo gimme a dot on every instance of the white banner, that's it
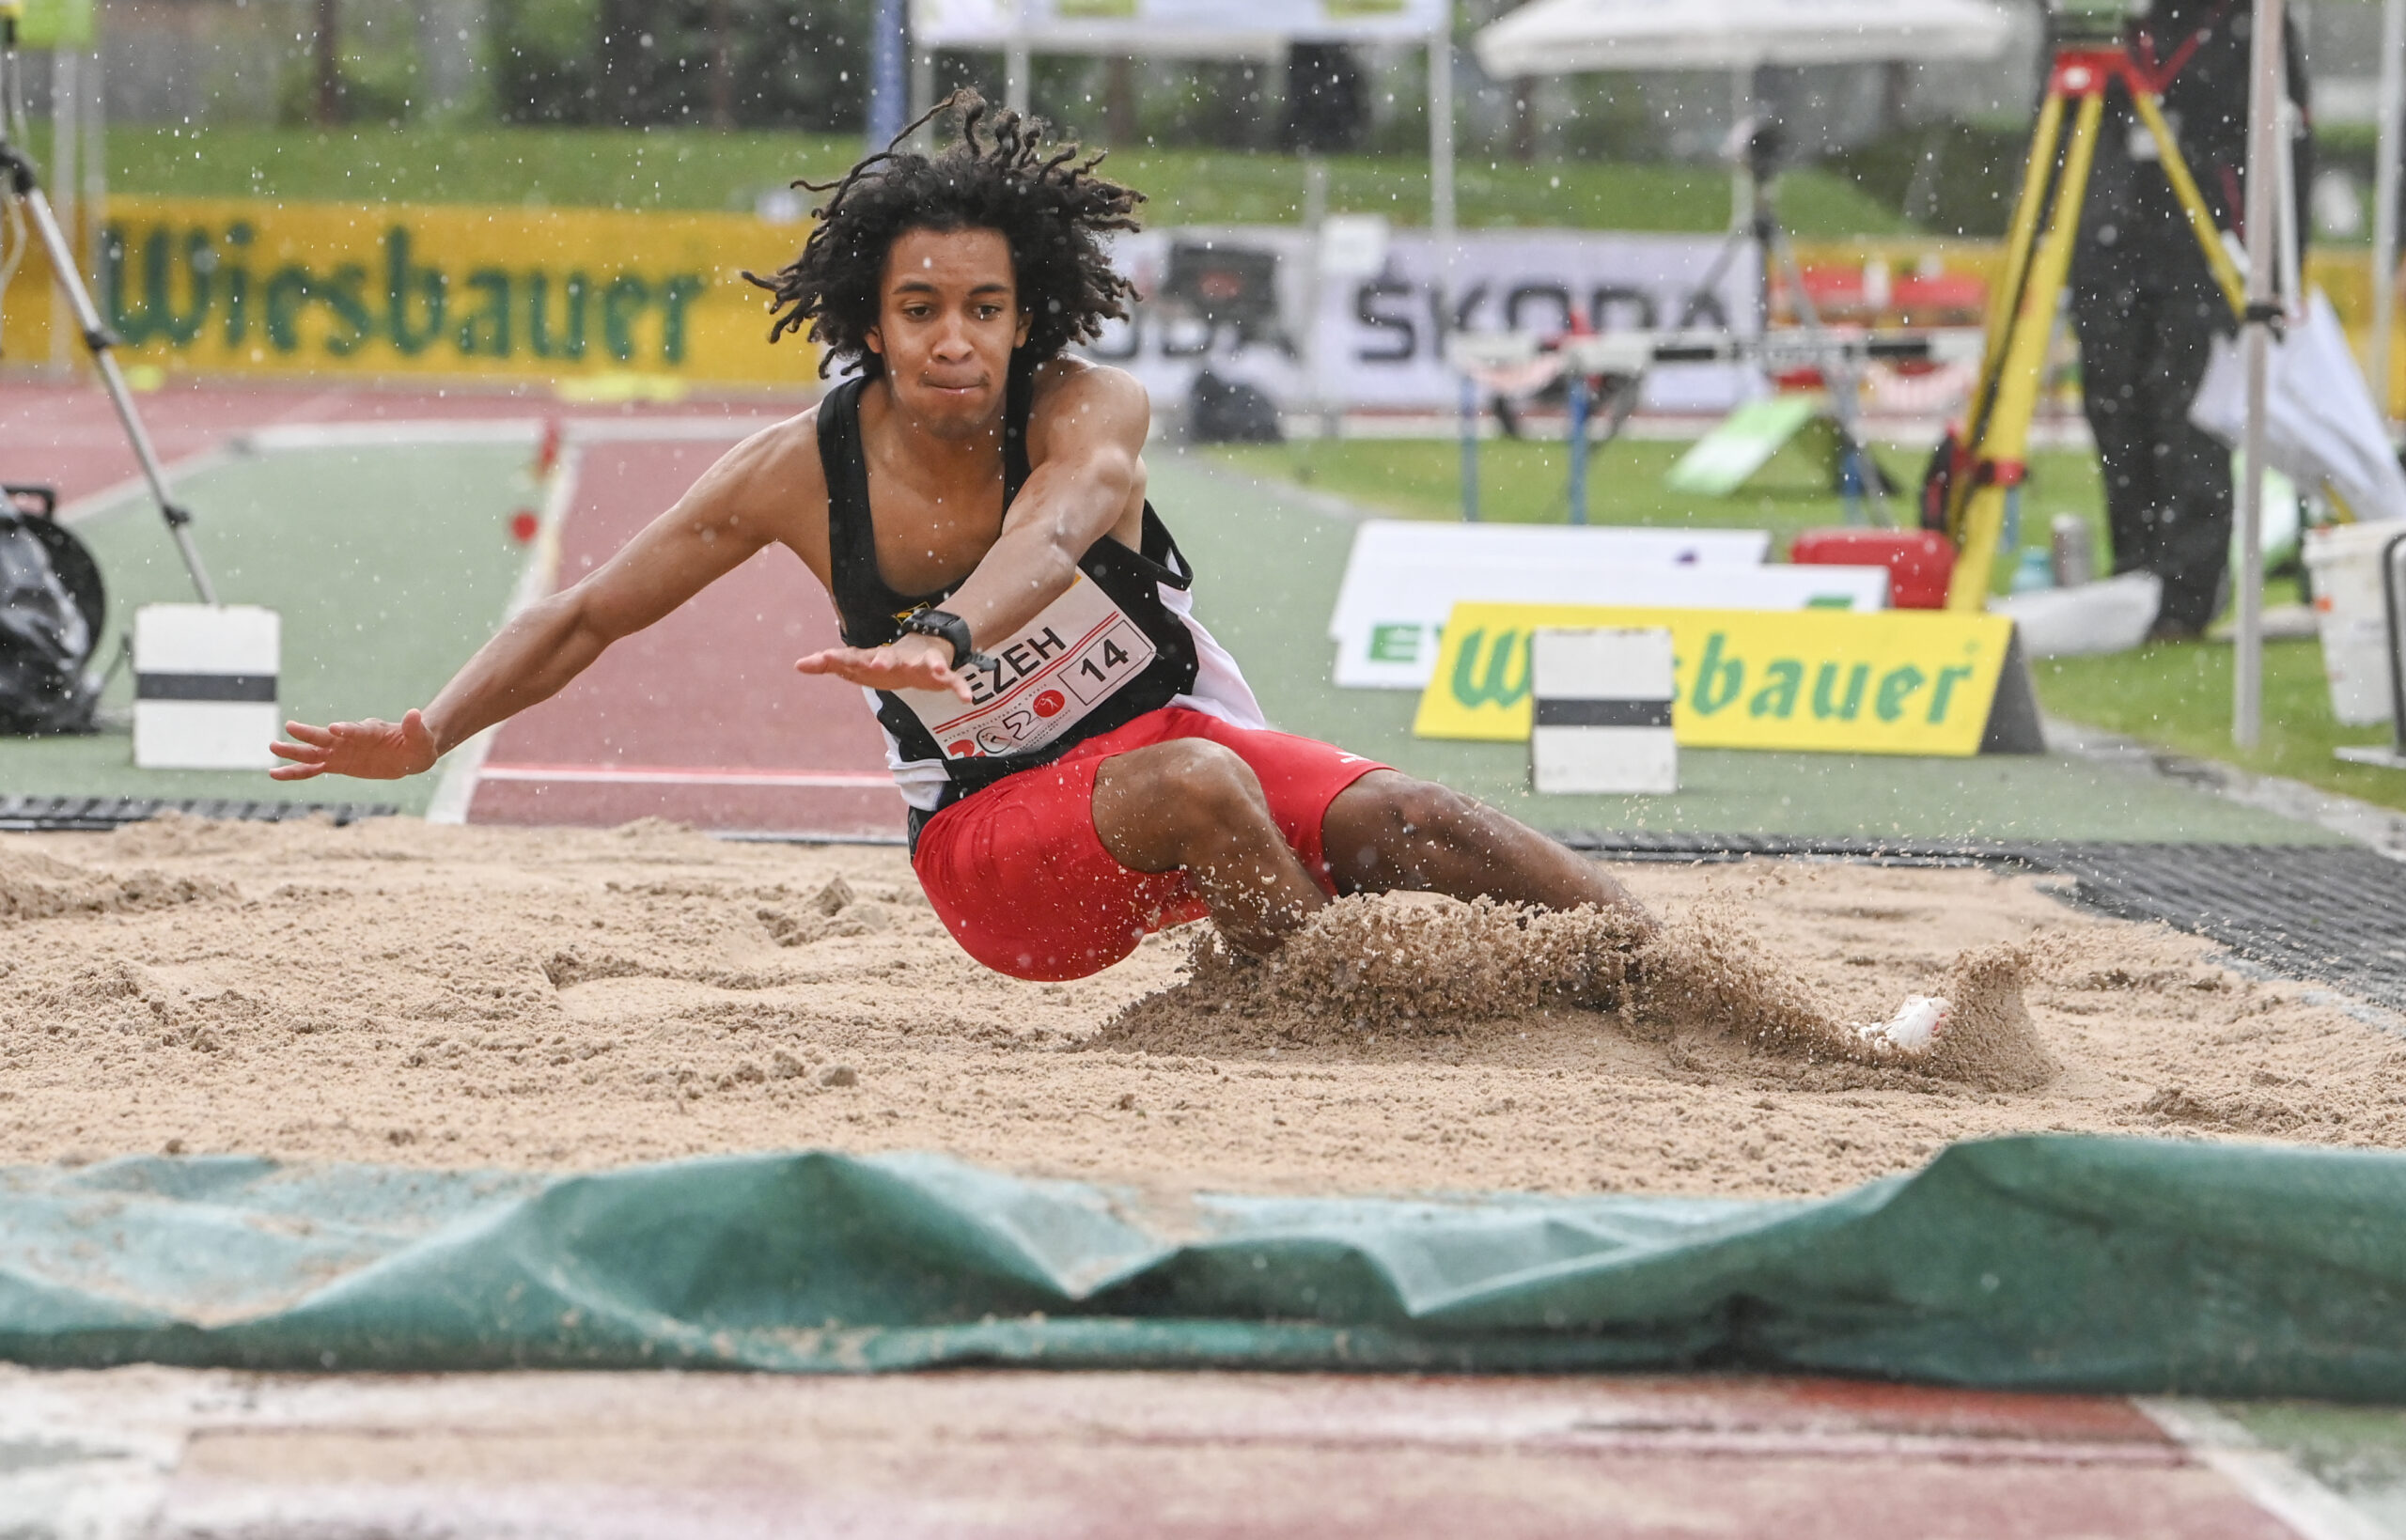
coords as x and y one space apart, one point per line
1404 578
1377 336
1175 26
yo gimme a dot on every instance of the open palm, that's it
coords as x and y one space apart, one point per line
370 750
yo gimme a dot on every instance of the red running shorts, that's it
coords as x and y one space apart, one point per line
1018 876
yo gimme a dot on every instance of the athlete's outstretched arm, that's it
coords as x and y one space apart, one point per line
1086 446
726 517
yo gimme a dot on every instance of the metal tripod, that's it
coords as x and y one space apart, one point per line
1988 467
18 180
1759 147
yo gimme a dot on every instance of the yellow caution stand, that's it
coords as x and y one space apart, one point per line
1981 473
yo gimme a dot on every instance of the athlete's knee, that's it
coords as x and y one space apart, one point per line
1413 809
1383 825
1192 789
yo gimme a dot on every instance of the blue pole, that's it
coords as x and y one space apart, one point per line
889 94
1470 449
1578 448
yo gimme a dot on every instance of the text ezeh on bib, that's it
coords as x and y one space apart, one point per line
1891 681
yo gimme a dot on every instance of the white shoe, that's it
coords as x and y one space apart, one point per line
1914 1029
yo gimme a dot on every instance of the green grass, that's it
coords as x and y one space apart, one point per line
702 169
389 567
2180 696
2174 695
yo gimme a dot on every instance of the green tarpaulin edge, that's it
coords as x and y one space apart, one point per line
2056 1262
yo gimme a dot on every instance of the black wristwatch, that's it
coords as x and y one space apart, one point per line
945 626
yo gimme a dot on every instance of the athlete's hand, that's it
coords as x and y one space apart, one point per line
914 662
370 750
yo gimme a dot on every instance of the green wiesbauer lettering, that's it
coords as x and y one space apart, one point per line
1894 685
409 287
346 294
236 272
627 297
1493 690
1824 681
1718 681
1777 697
484 331
569 341
1943 692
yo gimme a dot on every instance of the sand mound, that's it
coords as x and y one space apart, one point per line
1708 973
1989 1042
37 887
1406 965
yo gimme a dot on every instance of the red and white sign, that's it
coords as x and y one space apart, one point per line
1041 682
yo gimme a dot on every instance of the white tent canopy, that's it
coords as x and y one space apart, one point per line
1562 36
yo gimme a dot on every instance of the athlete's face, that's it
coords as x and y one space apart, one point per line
948 318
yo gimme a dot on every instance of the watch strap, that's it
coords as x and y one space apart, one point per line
946 627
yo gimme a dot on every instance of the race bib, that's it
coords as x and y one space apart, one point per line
1041 682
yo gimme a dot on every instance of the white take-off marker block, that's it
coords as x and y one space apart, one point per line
1604 711
205 686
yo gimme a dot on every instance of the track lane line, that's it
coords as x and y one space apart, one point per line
465 765
684 775
2269 1479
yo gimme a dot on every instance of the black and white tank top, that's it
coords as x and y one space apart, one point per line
1120 642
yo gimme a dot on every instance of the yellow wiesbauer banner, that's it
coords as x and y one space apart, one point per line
234 285
1888 681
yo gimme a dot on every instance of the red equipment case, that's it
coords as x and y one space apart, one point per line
1919 561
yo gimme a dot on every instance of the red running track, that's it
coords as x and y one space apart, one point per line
701 719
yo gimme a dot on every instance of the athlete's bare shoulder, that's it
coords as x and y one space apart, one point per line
770 487
1086 404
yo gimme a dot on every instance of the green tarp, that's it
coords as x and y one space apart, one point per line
2063 1262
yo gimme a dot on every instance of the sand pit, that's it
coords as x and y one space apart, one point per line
405 993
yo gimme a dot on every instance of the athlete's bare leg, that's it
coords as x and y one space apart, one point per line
1193 804
1388 831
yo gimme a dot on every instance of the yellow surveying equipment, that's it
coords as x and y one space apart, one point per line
1975 481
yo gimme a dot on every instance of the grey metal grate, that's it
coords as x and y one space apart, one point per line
2335 913
68 815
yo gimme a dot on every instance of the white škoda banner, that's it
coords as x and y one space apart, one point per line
1237 299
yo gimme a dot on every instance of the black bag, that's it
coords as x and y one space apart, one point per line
52 611
1230 411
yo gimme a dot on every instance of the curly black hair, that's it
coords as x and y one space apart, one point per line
1049 205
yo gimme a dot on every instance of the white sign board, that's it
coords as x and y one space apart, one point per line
1374 340
1560 37
1178 25
1601 717
205 686
1404 579
1394 556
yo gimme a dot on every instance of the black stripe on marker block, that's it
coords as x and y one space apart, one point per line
1656 713
204 687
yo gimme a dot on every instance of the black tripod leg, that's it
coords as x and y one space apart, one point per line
1711 281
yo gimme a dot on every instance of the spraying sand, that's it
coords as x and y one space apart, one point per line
1429 967
564 998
